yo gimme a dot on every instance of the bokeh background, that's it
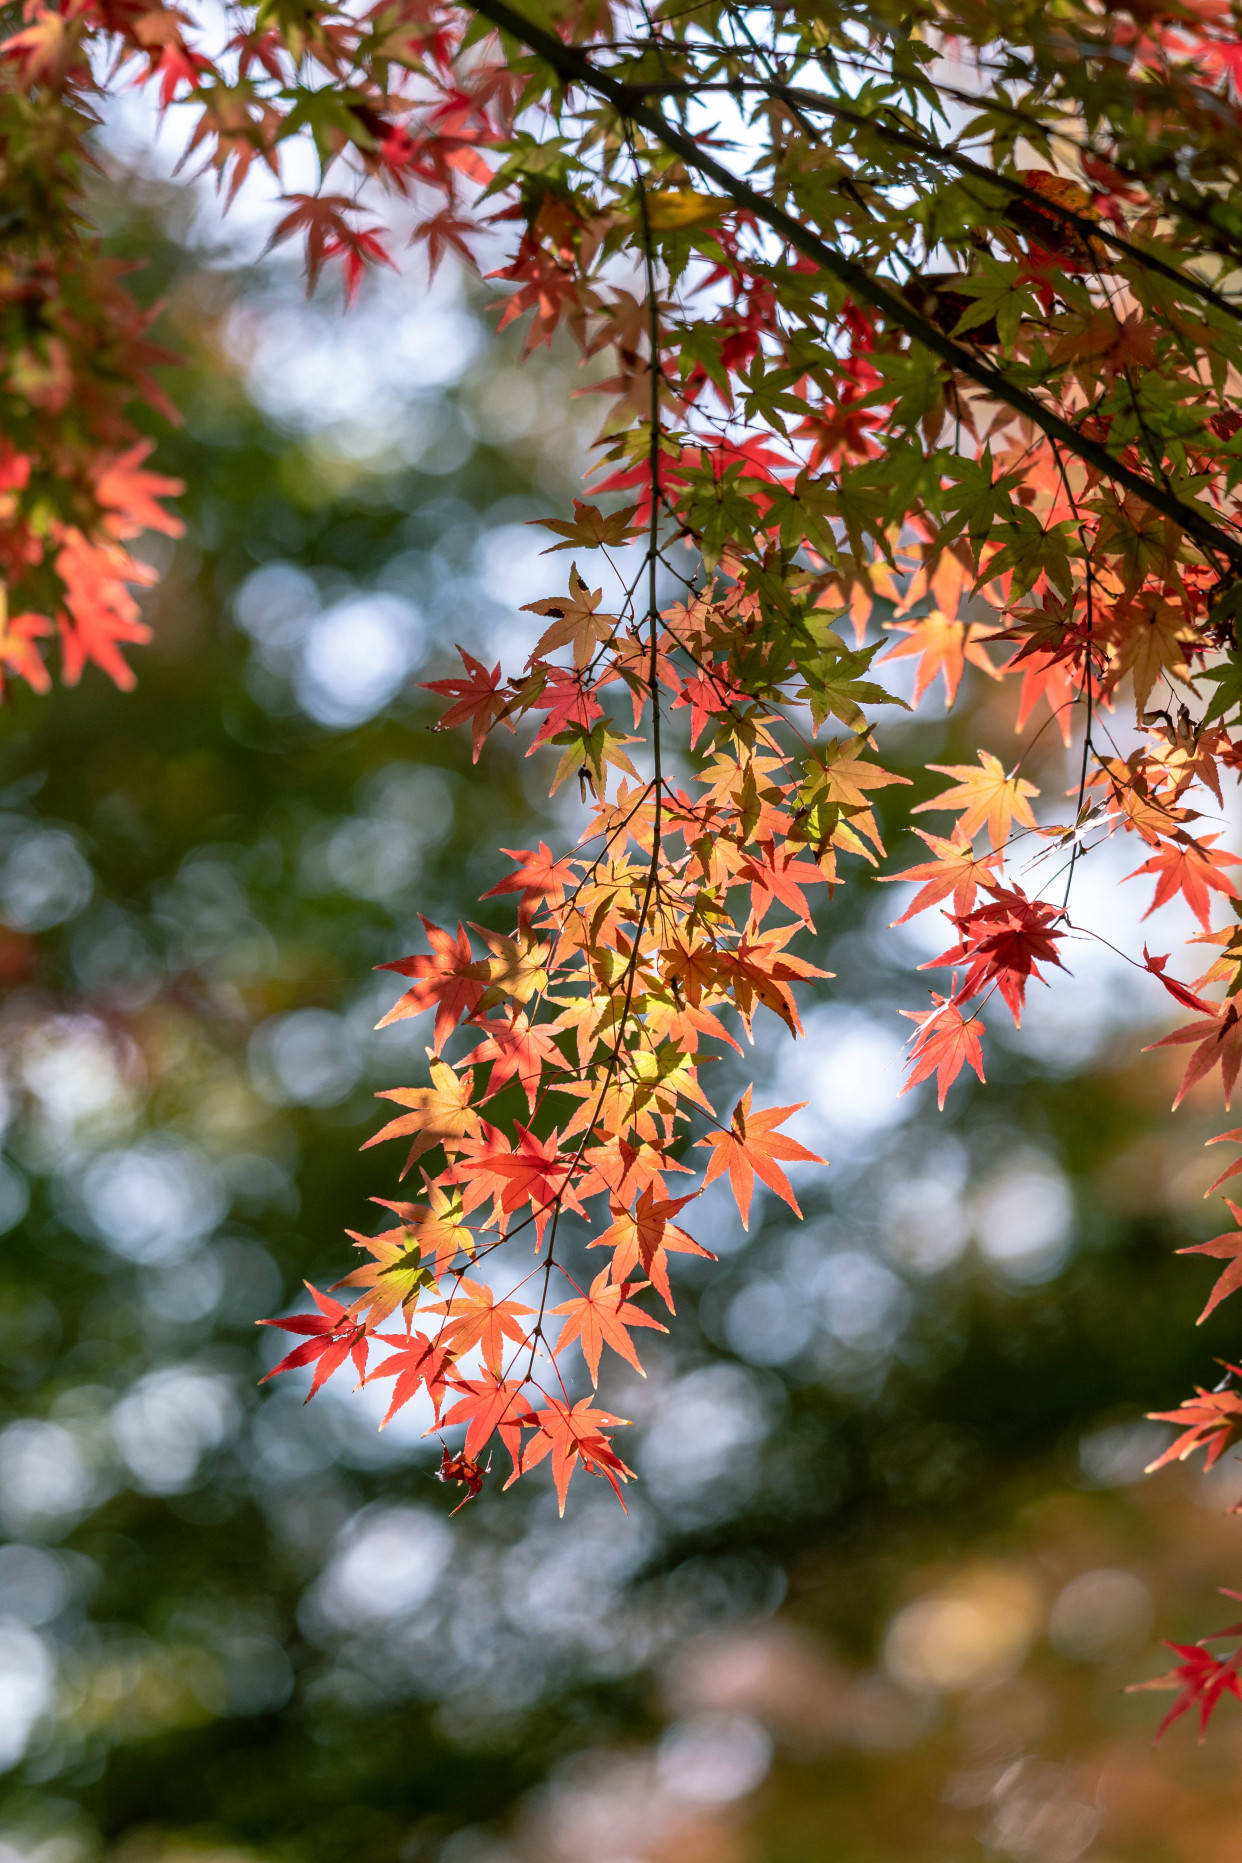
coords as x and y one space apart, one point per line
892 1560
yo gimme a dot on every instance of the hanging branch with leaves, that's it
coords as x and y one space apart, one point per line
923 340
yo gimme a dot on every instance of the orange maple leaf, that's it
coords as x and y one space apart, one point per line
984 795
601 1317
749 1147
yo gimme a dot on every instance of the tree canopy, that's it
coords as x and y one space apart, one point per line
915 335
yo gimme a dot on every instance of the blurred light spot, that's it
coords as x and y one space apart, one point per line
975 1634
14 1196
386 1563
699 1441
184 1293
849 1069
306 1058
508 561
1037 1819
371 858
275 603
168 1421
711 1759
28 1674
863 1303
34 1585
1118 1453
70 1066
44 881
512 404
153 1201
923 1224
768 1322
1100 1614
356 657
46 1482
1022 1216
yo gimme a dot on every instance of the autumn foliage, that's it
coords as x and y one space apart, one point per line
912 340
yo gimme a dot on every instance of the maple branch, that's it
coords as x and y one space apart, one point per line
573 67
799 102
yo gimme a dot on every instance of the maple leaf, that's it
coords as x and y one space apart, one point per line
394 1278
1180 992
1002 943
440 232
574 1437
131 496
322 218
477 697
601 1317
533 1172
1231 1170
100 614
490 1406
417 1364
518 1050
1154 643
779 878
984 795
956 870
1226 1248
750 1147
945 646
438 1224
449 977
576 624
761 971
1218 1040
474 1317
18 653
541 879
946 1042
468 1474
1201 1679
590 529
441 1114
1210 1420
643 1238
567 699
1190 867
330 1337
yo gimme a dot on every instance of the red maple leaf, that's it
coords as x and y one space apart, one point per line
1002 943
1226 1248
574 1437
477 697
533 1172
956 870
1190 867
1219 1044
489 1406
568 701
1211 1420
332 1335
417 1364
540 878
517 1050
450 977
946 1042
1201 1679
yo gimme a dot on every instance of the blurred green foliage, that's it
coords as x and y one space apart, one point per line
878 1451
